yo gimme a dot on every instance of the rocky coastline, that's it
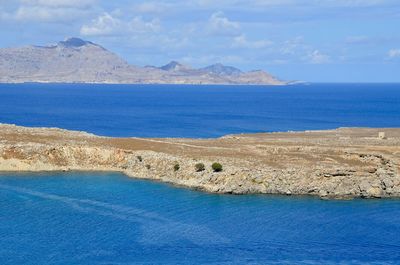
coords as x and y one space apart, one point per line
339 164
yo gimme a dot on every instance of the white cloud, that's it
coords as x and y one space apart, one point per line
150 7
291 47
224 3
298 50
357 39
219 24
316 57
106 24
242 42
4 15
278 62
296 3
45 14
48 10
354 3
137 24
394 53
59 3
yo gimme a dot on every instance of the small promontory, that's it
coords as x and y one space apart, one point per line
342 163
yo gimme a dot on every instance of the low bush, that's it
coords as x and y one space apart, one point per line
139 158
148 166
177 167
200 167
217 167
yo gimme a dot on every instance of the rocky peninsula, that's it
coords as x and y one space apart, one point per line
342 163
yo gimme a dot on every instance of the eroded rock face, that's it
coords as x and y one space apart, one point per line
309 163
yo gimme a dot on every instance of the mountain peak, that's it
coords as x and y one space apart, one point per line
74 43
174 66
221 69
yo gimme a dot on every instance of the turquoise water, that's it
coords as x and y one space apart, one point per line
199 111
97 218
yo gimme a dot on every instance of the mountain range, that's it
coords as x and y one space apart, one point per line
78 61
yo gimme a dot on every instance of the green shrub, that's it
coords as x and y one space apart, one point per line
139 158
200 167
217 167
177 167
148 166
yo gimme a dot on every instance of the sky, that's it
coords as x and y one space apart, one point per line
307 40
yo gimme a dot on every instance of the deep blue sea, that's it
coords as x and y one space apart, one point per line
105 218
199 111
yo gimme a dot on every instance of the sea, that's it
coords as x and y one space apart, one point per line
199 111
108 218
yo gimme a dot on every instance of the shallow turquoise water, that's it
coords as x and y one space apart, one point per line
99 218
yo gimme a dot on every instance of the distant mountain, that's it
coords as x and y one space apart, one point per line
75 43
77 61
220 69
175 66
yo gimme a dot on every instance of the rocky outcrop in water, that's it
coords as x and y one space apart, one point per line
343 163
78 61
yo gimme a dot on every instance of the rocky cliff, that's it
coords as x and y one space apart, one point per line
343 163
78 61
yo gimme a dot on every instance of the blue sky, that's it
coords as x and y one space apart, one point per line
311 40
